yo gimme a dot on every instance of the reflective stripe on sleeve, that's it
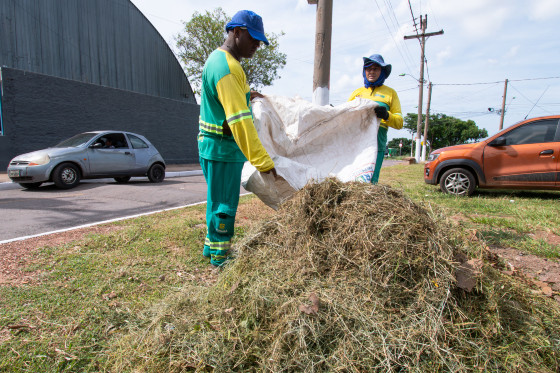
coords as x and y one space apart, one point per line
237 117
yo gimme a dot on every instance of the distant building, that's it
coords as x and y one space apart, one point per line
69 66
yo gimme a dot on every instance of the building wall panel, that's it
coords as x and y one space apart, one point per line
105 42
41 110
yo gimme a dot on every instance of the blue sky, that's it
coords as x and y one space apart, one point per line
484 43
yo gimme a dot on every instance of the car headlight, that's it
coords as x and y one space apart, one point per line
433 157
39 160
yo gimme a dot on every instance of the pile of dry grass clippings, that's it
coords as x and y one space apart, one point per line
352 277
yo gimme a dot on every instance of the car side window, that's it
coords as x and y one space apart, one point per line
533 133
114 141
137 142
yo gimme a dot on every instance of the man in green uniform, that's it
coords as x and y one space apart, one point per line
227 136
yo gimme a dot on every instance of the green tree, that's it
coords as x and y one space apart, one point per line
206 32
445 131
407 143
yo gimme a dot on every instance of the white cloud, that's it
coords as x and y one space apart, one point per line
544 9
346 83
484 24
477 19
443 55
512 52
459 8
301 4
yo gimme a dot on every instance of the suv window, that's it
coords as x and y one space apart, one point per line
532 133
137 142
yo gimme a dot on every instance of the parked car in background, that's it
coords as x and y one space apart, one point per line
90 155
523 156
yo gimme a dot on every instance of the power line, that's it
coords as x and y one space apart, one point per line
388 28
521 94
530 101
427 69
422 38
464 95
408 89
391 12
389 6
413 19
500 81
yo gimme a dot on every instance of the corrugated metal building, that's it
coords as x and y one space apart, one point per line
69 66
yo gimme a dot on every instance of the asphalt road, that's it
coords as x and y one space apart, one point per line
32 212
25 213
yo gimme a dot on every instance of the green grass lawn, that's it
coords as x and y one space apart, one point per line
501 217
86 292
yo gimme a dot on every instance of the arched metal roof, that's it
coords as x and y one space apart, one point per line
103 42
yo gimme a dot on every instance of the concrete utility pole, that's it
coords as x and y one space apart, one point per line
503 107
423 36
426 122
322 64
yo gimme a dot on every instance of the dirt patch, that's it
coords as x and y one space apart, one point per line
19 254
541 271
459 218
548 237
5 335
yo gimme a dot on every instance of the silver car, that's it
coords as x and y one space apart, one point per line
90 155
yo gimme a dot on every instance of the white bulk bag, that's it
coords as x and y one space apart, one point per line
310 142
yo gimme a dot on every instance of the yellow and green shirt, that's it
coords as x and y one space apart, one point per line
226 96
387 97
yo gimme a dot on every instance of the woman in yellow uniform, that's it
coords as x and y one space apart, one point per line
375 72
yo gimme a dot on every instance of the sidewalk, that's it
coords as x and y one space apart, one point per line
171 170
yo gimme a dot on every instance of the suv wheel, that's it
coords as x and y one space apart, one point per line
457 181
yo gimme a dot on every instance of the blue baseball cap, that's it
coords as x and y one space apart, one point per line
378 60
251 21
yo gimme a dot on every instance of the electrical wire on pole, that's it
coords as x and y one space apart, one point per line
546 89
422 37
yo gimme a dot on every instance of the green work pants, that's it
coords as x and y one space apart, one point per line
381 145
223 180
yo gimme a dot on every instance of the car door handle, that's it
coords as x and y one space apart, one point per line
547 152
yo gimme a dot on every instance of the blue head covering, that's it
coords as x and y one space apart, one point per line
376 59
251 21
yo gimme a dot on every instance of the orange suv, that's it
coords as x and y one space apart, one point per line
523 156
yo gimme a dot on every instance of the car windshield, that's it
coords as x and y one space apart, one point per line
76 141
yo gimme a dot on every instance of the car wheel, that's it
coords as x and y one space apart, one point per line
156 173
122 179
31 185
457 181
66 176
